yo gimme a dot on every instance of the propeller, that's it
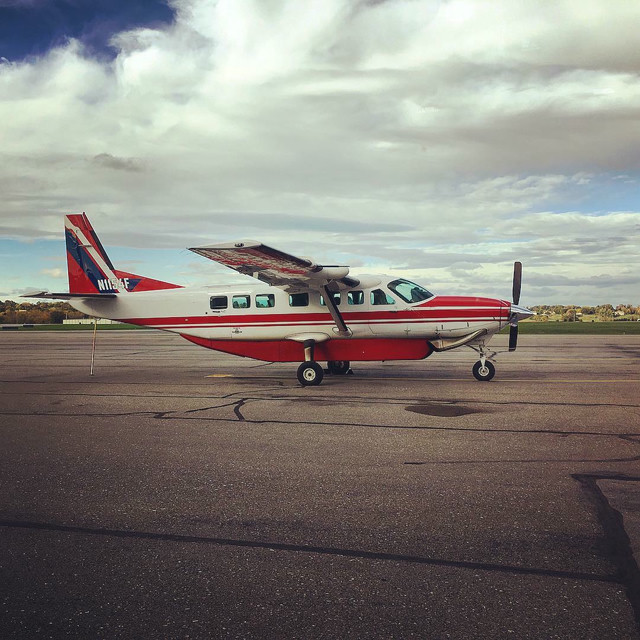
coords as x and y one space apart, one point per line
517 286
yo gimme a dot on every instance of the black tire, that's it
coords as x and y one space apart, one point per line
338 367
484 374
310 374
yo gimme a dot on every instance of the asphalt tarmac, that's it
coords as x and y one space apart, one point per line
181 493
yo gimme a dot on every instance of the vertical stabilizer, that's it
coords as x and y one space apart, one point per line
89 267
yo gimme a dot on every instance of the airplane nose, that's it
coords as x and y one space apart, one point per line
520 313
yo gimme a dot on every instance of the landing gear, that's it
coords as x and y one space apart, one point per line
310 374
483 371
338 367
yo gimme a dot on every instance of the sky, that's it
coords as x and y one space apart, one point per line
438 140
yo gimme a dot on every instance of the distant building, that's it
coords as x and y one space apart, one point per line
90 321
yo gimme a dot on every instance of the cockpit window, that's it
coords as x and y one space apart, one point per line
409 291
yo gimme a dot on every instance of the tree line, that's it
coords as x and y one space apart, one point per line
36 312
573 312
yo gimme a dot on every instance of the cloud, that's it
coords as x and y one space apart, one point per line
121 164
419 135
54 273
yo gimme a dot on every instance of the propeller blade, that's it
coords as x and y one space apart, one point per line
517 281
513 336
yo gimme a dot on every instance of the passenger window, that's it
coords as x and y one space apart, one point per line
355 297
299 300
218 302
241 302
336 299
265 301
378 296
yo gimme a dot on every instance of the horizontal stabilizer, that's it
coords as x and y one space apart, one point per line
66 296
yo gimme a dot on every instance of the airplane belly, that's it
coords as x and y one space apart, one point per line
354 350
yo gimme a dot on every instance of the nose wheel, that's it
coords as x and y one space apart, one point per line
483 371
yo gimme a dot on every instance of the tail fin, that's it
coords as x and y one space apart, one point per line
91 271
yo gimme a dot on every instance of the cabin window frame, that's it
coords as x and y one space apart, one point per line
304 295
337 299
270 299
220 306
245 296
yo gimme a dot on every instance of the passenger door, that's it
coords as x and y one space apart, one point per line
384 319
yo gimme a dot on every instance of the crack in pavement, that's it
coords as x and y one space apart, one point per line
301 548
188 415
352 399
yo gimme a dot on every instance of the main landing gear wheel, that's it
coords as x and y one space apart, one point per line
338 367
483 372
310 374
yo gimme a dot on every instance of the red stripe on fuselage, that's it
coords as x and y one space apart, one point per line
377 317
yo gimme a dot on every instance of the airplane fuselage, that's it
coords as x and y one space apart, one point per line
268 323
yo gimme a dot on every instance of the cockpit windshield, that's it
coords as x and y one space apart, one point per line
409 291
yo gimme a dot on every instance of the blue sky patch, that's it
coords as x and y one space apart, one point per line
31 27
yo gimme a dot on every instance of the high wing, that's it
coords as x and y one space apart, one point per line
278 268
284 270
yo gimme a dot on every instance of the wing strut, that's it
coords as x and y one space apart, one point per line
343 330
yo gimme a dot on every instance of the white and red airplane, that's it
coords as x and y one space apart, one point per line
300 312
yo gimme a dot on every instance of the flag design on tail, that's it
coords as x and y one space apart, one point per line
89 267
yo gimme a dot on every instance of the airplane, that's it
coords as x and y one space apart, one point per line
300 312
